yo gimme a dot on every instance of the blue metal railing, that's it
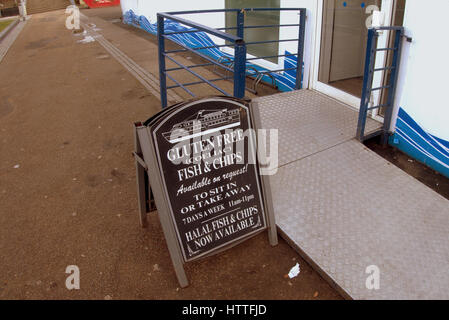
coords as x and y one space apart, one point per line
370 70
236 64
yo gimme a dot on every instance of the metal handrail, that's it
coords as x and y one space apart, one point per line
234 10
236 28
239 64
371 50
212 31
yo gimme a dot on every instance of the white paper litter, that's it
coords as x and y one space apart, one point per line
87 39
294 271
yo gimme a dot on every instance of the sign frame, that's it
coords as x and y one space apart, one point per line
147 159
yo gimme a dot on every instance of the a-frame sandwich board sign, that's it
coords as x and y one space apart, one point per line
202 166
145 195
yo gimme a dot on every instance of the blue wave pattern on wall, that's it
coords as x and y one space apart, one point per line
285 81
412 139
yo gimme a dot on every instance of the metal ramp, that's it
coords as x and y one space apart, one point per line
345 208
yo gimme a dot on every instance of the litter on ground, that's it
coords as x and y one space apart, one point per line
294 271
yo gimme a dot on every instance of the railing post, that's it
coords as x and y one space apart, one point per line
393 85
239 69
301 38
367 83
240 23
161 47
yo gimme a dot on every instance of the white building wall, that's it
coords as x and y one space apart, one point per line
423 81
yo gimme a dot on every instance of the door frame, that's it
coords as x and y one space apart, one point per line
344 97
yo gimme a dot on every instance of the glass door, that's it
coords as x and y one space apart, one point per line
257 18
341 45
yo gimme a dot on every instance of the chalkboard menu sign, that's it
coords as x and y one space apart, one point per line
202 168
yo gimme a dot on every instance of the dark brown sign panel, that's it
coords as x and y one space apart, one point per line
206 155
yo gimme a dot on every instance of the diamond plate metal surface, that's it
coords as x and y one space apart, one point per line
308 122
347 208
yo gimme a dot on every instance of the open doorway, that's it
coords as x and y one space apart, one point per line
343 43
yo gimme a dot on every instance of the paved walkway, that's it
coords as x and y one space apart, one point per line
345 208
9 38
